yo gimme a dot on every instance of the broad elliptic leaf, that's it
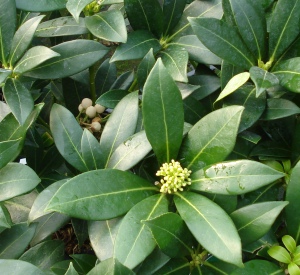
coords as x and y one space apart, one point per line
211 139
255 220
75 7
120 126
34 57
259 267
61 26
19 99
110 267
9 150
67 135
221 238
111 98
234 177
284 27
280 254
16 179
134 241
75 56
137 46
223 40
18 267
40 6
145 67
108 25
171 235
100 194
162 106
288 73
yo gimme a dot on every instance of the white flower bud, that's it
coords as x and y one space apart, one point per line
96 126
99 108
91 111
86 102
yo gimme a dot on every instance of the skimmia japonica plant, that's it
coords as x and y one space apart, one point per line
184 162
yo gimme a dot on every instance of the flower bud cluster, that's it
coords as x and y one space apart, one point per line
92 8
174 177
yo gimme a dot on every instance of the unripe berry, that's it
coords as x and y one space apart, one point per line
91 111
86 102
96 126
99 108
80 108
96 119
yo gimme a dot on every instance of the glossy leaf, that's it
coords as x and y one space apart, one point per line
16 179
5 220
120 126
137 45
258 267
255 220
3 76
175 267
289 243
133 241
162 105
234 177
228 71
41 6
9 150
111 98
124 81
221 238
280 254
61 26
18 267
84 262
145 67
67 135
108 25
75 7
89 196
201 148
71 270
75 56
110 266
223 40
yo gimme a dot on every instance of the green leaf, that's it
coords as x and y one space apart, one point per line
84 262
223 40
293 269
89 196
16 179
177 266
5 220
262 79
288 73
111 98
67 135
41 6
18 267
280 254
102 236
75 7
3 76
162 105
171 235
251 22
228 71
108 25
289 243
71 270
234 177
145 15
8 20
137 46
9 150
204 147
175 59
255 220
259 267
45 254
75 56
145 67
124 81
134 241
110 267
81 230
221 238
61 26
120 126
19 99
284 27
14 240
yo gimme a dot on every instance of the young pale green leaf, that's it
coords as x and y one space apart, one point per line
40 6
100 194
18 267
280 254
293 269
288 73
145 67
251 21
289 243
234 83
259 267
16 179
102 236
8 21
234 177
120 126
223 40
67 135
108 25
61 26
134 241
75 56
75 7
284 27
204 147
90 150
176 266
137 46
110 266
255 220
162 106
175 59
23 38
14 240
203 215
171 235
